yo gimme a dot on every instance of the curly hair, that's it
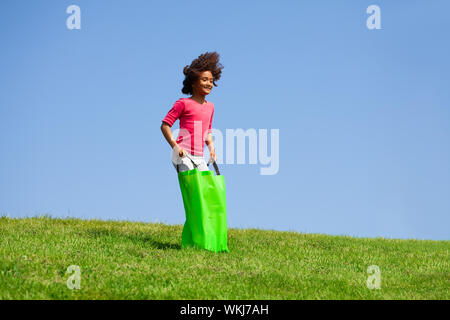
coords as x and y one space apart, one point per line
208 61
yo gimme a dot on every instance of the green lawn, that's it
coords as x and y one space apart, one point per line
127 260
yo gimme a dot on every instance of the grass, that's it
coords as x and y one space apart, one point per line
128 260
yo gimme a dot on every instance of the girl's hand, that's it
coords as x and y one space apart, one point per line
213 156
180 151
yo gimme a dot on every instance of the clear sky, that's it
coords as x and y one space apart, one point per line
364 115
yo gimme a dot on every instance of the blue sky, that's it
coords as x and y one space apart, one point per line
363 114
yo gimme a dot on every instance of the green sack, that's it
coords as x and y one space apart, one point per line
204 200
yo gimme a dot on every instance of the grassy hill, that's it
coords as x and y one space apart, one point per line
126 260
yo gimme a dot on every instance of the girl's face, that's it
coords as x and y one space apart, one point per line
204 84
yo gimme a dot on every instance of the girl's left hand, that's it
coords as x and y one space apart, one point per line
212 156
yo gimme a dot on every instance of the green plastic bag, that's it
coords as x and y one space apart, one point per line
204 200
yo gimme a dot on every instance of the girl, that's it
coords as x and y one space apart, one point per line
195 114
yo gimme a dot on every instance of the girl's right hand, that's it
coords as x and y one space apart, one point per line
180 151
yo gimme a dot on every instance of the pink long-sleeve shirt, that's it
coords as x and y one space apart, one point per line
195 123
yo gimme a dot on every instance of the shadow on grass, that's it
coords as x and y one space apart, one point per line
137 238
